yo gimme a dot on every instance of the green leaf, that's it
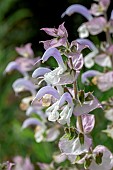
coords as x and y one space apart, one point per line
81 138
87 163
81 96
98 159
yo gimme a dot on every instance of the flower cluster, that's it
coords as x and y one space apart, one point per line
102 55
55 101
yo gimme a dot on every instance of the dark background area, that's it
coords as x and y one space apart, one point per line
48 14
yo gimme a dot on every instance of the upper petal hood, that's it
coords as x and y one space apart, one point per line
76 8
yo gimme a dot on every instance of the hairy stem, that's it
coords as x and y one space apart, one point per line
75 89
108 37
79 119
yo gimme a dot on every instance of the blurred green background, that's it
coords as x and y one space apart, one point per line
20 23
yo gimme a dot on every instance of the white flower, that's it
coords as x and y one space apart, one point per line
39 131
52 134
103 60
109 114
65 115
53 77
88 59
83 31
109 131
60 111
52 112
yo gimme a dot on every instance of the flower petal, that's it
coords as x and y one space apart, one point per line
28 164
31 121
83 31
86 42
78 9
105 4
44 166
103 60
47 90
11 66
96 10
55 53
23 65
96 25
88 74
73 147
105 81
87 106
66 97
78 62
15 66
62 32
52 134
111 17
109 114
26 64
50 31
59 76
65 115
79 45
36 110
107 159
22 84
40 72
88 122
22 163
25 51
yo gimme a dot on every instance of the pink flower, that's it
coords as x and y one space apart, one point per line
22 164
72 148
45 166
105 81
100 8
23 84
96 25
105 162
88 122
25 51
23 65
60 35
